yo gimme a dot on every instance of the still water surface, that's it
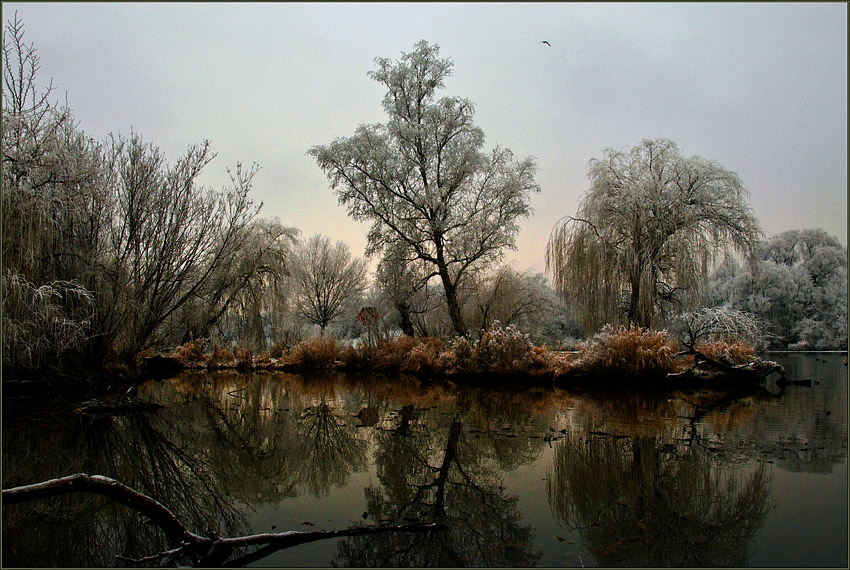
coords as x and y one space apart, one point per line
526 478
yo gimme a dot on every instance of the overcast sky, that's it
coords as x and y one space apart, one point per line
760 88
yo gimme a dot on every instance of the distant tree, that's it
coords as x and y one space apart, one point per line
798 286
645 232
324 276
401 279
423 180
510 298
241 296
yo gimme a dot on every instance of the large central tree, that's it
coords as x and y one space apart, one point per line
423 179
646 232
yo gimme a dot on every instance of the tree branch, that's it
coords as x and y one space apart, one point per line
203 551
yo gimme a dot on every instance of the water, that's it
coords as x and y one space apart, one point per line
521 478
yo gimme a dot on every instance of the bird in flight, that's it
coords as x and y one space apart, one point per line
545 42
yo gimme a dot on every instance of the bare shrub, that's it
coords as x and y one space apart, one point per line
243 358
740 352
721 324
458 357
499 351
219 357
392 353
424 356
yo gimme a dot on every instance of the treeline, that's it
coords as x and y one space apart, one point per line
109 250
797 284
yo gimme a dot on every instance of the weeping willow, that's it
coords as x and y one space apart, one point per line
646 233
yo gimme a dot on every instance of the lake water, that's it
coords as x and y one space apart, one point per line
521 478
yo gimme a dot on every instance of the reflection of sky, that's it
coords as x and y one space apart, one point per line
528 482
809 522
342 507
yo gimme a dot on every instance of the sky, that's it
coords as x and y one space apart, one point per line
760 88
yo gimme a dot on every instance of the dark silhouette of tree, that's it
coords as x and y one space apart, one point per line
444 476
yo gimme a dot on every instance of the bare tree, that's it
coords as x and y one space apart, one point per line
167 238
510 298
423 180
241 295
106 241
646 232
324 276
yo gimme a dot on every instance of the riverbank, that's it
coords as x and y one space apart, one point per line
503 356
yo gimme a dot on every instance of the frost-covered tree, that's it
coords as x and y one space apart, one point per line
646 231
402 279
52 212
423 179
107 242
323 277
798 286
242 298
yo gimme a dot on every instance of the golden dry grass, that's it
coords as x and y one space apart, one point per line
739 352
319 352
632 351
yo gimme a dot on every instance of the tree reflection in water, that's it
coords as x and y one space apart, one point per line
439 474
266 444
637 504
327 452
146 451
670 480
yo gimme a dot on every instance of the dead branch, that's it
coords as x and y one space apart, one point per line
81 482
203 551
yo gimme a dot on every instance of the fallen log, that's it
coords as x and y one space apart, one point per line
704 365
205 551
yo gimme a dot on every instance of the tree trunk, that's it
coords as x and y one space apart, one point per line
406 321
451 301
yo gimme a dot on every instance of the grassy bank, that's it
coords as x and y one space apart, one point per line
504 354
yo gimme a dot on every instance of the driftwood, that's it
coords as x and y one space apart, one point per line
201 550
